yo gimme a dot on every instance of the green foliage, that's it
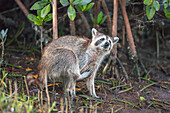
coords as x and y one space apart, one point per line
150 11
153 6
80 5
84 2
142 98
64 2
4 74
167 13
71 13
39 5
84 7
11 105
100 18
43 8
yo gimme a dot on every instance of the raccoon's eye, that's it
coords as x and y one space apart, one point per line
101 39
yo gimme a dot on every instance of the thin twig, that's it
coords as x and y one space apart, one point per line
123 69
15 84
27 88
72 27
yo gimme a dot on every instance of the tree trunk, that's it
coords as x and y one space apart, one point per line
114 27
128 29
55 29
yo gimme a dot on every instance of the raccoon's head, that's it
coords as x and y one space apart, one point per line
102 42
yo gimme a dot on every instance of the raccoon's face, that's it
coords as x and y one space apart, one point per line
102 42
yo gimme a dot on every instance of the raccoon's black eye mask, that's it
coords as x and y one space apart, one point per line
99 41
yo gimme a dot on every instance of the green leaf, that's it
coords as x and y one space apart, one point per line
150 11
38 5
84 2
45 10
165 2
32 17
93 20
39 12
71 13
101 22
38 21
71 1
84 7
156 5
79 8
48 17
148 2
89 6
142 98
167 13
99 17
64 2
76 2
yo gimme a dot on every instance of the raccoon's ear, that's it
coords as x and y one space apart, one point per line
94 32
115 40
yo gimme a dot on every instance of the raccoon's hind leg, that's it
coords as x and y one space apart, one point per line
73 78
90 82
46 86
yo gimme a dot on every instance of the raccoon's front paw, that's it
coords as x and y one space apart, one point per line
85 74
89 71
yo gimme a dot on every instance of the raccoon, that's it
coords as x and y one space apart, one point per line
88 53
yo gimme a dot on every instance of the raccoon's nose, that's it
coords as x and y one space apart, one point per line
106 44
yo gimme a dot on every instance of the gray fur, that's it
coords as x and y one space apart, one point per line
66 57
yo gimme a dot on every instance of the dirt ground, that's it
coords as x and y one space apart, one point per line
156 97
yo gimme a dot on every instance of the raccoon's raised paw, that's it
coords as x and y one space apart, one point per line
85 74
89 71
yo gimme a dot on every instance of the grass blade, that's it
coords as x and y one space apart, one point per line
147 86
132 104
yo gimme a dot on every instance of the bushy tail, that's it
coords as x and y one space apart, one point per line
31 79
34 81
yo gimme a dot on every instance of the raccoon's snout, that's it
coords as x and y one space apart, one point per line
106 45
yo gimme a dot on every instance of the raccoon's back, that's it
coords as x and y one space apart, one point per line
59 62
78 44
72 42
